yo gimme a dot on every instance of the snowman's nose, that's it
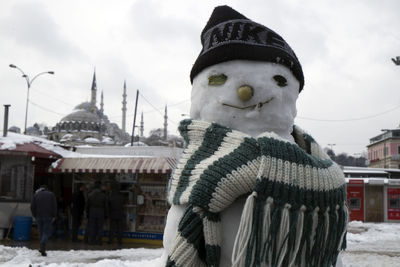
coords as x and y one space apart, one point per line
245 92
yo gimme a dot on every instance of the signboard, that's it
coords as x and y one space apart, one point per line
136 235
376 181
394 181
133 235
356 181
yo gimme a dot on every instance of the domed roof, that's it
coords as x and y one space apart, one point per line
81 115
83 105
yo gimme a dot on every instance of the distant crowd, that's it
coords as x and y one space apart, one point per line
99 204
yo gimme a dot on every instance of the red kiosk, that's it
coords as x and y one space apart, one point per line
393 203
355 199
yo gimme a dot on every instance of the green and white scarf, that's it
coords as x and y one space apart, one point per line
295 213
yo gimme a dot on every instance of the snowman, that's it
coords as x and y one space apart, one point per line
251 188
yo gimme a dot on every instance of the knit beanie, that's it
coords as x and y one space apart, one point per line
228 35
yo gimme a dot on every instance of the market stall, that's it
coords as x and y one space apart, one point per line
22 169
142 180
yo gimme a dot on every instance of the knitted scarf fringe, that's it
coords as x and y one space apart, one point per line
281 224
287 237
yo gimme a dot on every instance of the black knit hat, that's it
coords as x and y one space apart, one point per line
229 35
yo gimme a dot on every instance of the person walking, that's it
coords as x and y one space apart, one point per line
44 210
77 208
116 207
97 208
86 236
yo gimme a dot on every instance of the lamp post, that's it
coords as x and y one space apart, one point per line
396 60
331 146
29 83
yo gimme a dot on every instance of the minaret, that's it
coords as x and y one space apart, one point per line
141 126
93 95
165 123
124 109
102 103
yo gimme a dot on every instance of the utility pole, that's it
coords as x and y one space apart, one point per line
134 118
5 128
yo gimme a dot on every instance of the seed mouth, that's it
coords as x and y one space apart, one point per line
257 106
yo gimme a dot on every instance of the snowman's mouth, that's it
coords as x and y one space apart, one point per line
257 106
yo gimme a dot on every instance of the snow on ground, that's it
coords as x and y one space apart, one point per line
138 257
372 245
368 245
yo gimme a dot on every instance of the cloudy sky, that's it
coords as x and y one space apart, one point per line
345 47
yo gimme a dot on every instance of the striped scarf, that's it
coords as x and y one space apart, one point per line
295 213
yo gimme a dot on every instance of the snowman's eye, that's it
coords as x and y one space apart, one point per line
280 80
219 79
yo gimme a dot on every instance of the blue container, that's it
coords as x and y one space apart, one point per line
22 228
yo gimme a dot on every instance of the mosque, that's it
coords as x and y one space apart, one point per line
87 124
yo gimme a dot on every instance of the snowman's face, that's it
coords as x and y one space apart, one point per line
250 96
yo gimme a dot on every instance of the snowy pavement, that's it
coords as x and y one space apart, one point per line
12 256
368 245
372 245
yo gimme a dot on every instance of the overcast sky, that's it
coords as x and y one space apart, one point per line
351 87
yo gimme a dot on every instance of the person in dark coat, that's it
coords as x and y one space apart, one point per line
44 210
116 206
97 209
77 209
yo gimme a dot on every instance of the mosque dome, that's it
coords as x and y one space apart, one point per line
81 115
83 105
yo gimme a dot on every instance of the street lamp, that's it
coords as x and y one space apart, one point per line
396 60
29 83
331 145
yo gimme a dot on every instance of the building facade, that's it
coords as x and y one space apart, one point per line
384 150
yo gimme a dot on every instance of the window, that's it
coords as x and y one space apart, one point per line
354 203
16 183
398 150
394 203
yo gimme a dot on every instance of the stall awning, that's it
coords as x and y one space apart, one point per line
115 165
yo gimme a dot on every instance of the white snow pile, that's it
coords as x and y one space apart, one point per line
139 257
107 140
137 143
372 245
368 245
92 140
11 141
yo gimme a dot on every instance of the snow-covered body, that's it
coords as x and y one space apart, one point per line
275 114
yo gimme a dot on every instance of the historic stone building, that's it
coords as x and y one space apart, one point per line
384 150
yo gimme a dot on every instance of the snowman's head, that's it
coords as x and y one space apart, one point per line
246 76
249 96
